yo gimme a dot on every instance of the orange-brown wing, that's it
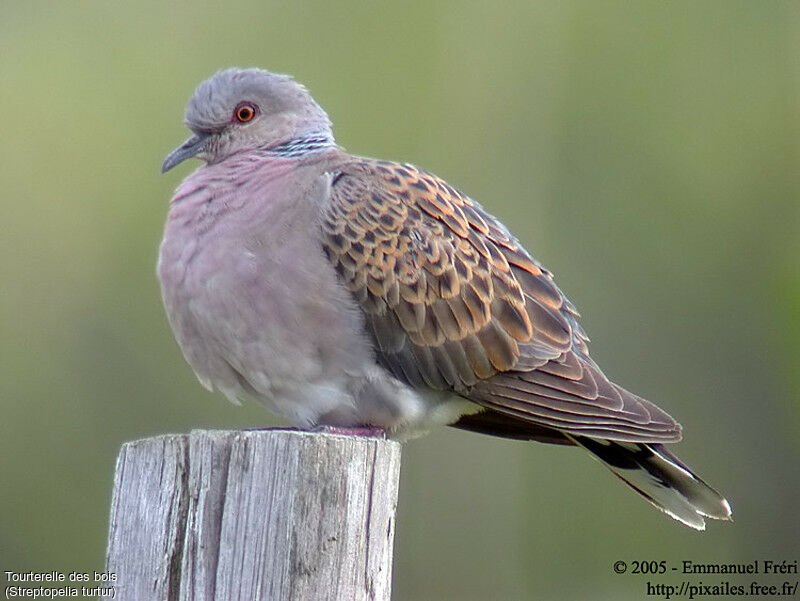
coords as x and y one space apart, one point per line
454 302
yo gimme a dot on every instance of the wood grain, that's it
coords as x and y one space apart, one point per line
270 514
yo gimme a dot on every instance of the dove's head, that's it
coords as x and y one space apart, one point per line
242 109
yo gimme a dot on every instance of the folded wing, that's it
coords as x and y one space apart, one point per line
454 302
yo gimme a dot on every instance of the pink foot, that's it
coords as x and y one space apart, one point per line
365 431
274 428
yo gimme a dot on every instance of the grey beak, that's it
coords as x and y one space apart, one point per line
185 151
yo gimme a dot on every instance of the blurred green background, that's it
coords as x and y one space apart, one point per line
648 153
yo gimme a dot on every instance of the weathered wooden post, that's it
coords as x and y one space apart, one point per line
268 514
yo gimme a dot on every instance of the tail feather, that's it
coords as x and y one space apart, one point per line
661 478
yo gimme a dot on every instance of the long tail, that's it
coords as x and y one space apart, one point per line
661 478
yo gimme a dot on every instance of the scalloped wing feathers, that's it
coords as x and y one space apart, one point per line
454 302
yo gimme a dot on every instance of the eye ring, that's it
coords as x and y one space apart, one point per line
245 112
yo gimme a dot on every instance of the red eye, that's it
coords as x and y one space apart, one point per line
245 112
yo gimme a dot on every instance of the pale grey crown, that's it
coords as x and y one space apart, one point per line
284 111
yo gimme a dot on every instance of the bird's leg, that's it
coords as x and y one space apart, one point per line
365 431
